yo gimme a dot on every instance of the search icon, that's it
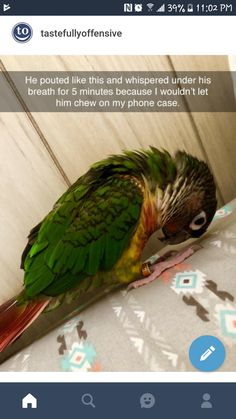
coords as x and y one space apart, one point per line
87 400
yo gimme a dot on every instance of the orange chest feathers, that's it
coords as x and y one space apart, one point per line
129 265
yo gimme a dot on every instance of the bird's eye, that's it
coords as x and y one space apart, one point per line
198 221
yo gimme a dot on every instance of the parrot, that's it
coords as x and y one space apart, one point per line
96 231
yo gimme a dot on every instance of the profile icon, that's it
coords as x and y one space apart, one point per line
206 404
22 32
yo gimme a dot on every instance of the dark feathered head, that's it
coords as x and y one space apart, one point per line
188 194
189 203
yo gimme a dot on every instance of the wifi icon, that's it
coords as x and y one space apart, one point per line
150 7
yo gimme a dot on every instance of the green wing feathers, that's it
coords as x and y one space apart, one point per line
93 222
86 232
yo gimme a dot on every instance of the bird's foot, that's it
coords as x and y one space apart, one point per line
167 261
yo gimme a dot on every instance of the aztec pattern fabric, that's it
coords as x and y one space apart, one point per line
151 328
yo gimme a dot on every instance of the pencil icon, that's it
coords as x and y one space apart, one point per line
207 353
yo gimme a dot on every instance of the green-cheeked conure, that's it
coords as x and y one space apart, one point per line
96 231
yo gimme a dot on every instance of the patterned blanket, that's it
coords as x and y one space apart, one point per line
151 328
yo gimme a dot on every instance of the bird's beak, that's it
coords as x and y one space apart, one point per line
174 239
161 235
178 238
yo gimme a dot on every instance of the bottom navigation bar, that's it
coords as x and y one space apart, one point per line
103 400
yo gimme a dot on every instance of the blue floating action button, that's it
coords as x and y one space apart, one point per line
207 353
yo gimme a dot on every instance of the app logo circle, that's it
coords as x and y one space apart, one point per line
207 353
22 32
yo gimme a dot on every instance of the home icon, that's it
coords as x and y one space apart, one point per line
29 401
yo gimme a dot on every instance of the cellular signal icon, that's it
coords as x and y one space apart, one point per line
161 9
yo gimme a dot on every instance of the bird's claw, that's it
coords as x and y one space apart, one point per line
170 259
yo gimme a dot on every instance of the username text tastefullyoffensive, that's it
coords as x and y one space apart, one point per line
76 33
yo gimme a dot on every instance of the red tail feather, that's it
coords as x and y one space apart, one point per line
15 318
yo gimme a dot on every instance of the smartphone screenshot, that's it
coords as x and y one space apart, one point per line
117 209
